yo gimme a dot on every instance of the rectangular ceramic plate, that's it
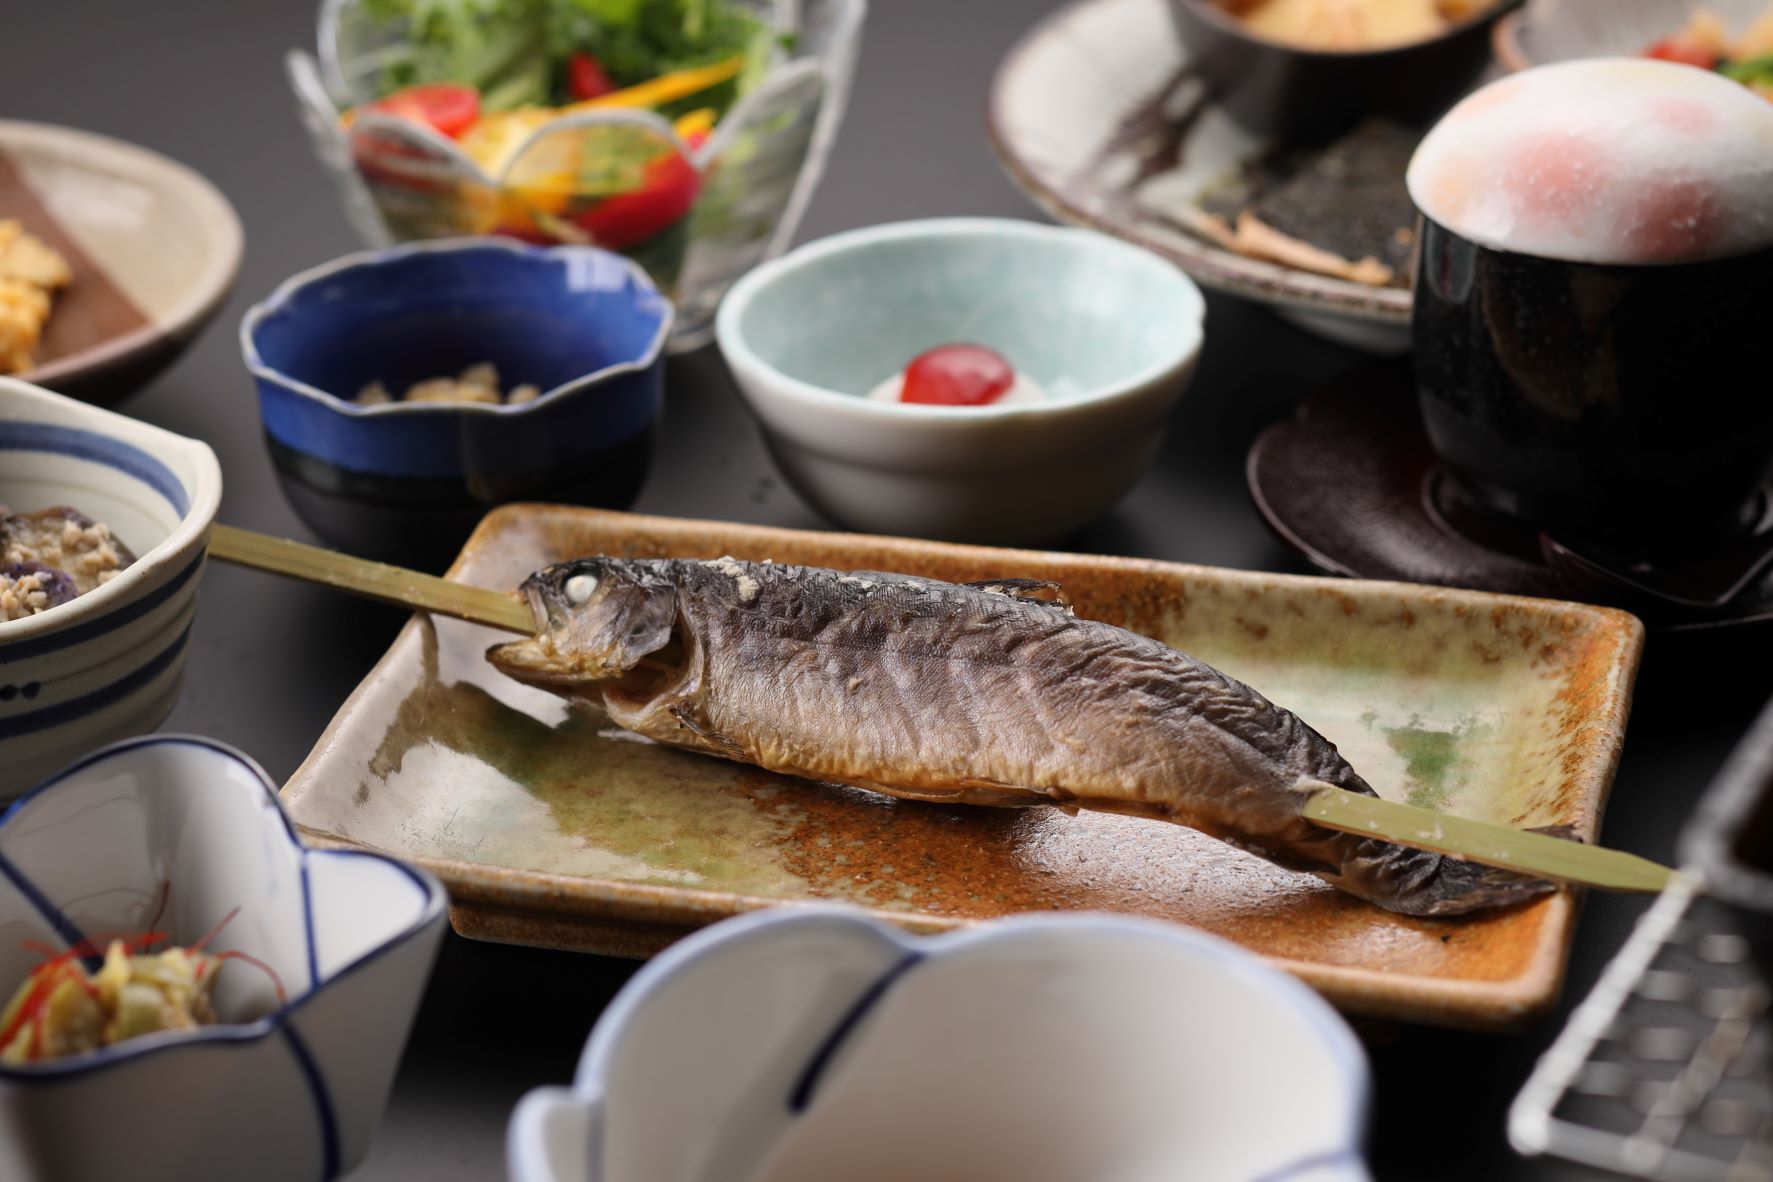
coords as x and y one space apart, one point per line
553 828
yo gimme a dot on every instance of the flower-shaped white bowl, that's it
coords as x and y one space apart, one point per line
280 1091
402 181
109 663
810 1045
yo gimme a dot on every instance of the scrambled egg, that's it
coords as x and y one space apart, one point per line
29 273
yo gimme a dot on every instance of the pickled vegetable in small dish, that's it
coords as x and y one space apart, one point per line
1706 42
959 375
51 557
1352 25
477 384
62 1009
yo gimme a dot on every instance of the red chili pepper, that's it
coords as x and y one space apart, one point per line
255 962
447 107
1674 49
213 932
957 375
585 77
667 192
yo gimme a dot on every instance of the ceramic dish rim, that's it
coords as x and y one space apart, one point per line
1182 352
223 233
1213 266
1510 48
1248 969
205 500
276 303
1226 23
580 902
228 1033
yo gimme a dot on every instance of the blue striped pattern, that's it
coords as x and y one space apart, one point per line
116 691
324 1112
20 435
802 1093
109 622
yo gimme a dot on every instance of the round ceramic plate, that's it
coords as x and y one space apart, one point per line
154 249
1096 116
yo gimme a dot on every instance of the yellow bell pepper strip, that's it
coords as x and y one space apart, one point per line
666 88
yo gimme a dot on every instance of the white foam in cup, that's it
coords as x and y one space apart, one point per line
1609 160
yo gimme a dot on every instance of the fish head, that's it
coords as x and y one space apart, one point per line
596 619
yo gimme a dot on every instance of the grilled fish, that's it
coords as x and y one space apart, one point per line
990 693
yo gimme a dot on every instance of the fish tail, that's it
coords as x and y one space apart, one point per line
1418 882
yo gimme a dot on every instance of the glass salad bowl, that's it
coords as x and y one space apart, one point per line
697 173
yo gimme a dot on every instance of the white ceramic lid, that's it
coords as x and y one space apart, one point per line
1607 160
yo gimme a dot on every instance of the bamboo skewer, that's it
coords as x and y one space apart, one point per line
1534 854
373 580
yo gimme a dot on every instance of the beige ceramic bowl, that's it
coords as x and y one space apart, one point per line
154 249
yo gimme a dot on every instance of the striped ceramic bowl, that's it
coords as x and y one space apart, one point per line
106 665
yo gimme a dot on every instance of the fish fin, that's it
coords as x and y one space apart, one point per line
1417 882
1027 590
686 718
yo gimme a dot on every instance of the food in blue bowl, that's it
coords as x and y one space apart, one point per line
405 392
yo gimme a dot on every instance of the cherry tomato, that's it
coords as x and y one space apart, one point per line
957 375
1673 49
585 78
667 192
446 107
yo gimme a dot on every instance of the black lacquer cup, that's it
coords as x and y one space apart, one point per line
1629 406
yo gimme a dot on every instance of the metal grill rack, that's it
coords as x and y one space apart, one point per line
1665 1071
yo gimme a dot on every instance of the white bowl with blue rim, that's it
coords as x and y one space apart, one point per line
814 1044
1110 331
109 663
408 481
175 832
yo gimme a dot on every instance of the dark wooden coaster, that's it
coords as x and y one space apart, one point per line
1351 483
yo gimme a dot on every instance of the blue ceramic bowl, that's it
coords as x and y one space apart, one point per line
408 481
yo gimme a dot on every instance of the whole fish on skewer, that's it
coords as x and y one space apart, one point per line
990 693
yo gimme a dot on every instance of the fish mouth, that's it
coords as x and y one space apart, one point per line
657 673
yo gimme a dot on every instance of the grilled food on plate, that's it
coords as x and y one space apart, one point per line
988 693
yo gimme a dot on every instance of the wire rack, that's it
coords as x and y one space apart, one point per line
1665 1072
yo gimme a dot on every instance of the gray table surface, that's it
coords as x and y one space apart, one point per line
202 81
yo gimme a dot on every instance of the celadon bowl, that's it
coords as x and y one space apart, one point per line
812 1045
1112 333
172 834
109 663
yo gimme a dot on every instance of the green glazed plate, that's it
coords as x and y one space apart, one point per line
552 827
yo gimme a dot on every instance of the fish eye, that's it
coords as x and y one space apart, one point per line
579 588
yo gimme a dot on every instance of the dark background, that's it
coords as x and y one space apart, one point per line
202 80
